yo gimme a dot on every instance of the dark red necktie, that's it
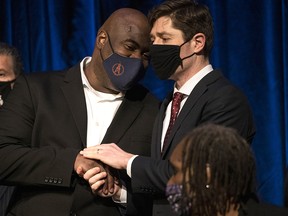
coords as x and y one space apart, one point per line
177 98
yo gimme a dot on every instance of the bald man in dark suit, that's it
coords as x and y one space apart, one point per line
50 117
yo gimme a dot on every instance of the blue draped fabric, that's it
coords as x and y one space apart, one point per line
251 45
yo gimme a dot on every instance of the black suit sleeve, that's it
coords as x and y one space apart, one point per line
150 175
21 162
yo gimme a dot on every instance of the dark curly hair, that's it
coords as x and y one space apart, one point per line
232 169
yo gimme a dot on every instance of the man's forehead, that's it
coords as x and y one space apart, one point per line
131 32
163 22
163 26
131 27
6 59
128 28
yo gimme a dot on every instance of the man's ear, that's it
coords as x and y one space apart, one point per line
199 41
101 39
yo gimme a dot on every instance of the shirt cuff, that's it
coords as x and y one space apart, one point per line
123 196
129 165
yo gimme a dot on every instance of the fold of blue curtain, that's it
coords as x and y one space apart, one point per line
285 77
250 47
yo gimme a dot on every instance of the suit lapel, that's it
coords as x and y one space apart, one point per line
73 91
157 135
124 117
186 109
191 102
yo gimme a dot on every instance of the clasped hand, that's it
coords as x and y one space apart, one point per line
102 179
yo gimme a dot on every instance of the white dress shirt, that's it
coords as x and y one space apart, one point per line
101 109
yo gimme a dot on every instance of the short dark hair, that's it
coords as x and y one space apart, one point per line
232 165
8 50
187 16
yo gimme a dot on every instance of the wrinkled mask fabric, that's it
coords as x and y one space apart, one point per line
180 205
165 59
123 72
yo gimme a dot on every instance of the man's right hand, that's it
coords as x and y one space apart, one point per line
110 154
82 165
96 180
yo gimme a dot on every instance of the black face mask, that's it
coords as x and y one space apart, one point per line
165 59
5 88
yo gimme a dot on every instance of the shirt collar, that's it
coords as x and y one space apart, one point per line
192 82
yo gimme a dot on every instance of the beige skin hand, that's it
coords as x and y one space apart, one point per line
96 180
109 154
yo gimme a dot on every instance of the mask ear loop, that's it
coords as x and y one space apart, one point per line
109 45
186 56
110 42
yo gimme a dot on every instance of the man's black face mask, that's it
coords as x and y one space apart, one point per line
165 59
5 88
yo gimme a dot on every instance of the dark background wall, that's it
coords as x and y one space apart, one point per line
250 47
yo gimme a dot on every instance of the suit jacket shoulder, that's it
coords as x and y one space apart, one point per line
253 208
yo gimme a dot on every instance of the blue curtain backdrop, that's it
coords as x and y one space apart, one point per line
251 43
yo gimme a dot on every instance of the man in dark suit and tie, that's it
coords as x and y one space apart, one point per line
182 38
50 117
